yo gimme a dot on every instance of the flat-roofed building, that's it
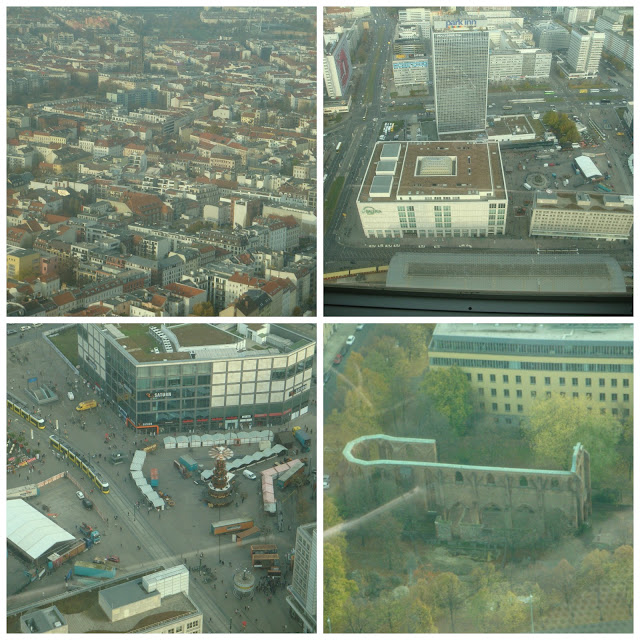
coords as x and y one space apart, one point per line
582 215
460 80
433 189
585 50
511 366
303 587
216 376
550 36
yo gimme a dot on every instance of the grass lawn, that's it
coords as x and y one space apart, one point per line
67 342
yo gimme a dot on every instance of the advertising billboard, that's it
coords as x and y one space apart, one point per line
343 63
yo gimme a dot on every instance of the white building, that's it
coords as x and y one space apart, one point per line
585 50
336 64
419 17
409 72
303 587
433 190
578 14
582 215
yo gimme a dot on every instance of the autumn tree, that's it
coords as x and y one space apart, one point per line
557 423
203 309
450 391
338 589
564 578
594 571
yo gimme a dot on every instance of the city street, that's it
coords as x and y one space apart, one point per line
178 534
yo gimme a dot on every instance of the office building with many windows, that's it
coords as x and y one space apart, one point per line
199 377
510 366
460 79
585 50
433 189
303 588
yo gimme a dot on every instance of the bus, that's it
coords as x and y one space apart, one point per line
338 147
507 107
21 409
80 461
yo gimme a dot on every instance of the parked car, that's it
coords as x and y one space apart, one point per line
80 495
360 327
327 377
337 359
351 340
113 558
249 474
87 504
326 482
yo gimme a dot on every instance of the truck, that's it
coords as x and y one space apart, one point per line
231 526
303 438
87 404
527 186
285 478
188 463
603 187
90 532
93 570
154 478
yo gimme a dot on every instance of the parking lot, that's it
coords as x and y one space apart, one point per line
173 536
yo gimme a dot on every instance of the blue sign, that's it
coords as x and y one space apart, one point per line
32 380
460 23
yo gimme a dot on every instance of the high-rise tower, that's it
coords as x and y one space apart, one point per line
460 78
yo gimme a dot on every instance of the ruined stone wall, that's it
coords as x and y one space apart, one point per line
484 503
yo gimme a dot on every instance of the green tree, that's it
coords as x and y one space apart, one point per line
337 587
451 594
450 391
557 423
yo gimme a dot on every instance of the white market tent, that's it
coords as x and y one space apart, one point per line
588 168
31 531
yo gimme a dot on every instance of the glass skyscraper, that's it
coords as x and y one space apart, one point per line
460 70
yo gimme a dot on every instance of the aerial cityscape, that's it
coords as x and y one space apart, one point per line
161 161
161 491
478 478
484 149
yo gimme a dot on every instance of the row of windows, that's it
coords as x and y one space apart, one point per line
440 343
613 382
520 409
529 366
589 396
522 481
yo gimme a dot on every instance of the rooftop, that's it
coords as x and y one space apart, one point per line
506 273
425 169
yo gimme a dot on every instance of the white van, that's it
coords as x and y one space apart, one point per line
70 395
249 474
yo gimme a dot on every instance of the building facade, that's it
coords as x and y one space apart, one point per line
600 217
337 69
409 72
585 50
550 36
460 78
510 366
236 377
303 587
432 190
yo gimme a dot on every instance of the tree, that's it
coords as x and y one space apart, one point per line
450 391
594 571
622 573
203 309
557 423
450 594
337 588
564 579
